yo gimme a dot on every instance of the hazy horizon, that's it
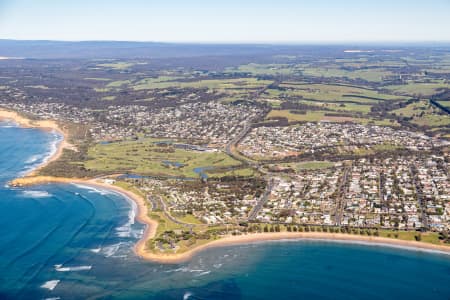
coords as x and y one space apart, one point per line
251 43
230 22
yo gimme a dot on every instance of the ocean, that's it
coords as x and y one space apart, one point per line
65 241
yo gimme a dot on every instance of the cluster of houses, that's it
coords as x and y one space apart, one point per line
397 193
403 192
306 197
390 192
212 203
278 142
213 123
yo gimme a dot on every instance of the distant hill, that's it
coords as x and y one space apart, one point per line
112 49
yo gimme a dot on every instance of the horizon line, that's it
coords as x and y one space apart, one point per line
281 43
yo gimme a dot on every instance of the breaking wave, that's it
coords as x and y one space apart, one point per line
60 268
126 229
36 194
91 189
50 285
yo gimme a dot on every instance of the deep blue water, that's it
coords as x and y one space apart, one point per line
79 241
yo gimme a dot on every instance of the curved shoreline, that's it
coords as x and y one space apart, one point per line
44 125
151 225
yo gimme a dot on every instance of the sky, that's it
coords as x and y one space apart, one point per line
228 21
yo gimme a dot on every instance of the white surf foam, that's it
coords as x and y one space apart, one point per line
60 268
203 273
33 159
185 270
109 251
93 189
36 194
187 295
125 230
50 285
96 250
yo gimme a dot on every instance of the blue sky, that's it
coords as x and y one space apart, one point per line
279 21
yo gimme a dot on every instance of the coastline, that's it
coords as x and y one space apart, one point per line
291 236
49 125
151 225
174 258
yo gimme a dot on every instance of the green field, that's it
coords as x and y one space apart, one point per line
146 158
424 114
244 172
213 84
338 93
266 69
445 103
374 75
418 89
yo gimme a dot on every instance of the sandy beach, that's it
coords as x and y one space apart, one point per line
151 225
280 236
41 124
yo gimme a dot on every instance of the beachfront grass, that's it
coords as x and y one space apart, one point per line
129 187
426 237
145 157
188 218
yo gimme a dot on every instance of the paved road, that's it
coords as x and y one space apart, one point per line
158 202
340 198
262 200
235 141
420 199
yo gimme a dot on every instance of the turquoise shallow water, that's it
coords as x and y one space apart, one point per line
74 242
